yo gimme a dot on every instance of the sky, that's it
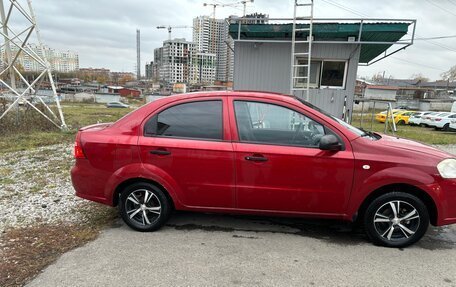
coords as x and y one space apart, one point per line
104 32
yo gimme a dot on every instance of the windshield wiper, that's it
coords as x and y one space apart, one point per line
368 133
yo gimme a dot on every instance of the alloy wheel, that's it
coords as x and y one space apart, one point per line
396 220
143 207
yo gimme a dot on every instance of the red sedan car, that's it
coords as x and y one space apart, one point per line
262 153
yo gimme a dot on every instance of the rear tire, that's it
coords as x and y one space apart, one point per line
144 207
396 219
401 122
446 127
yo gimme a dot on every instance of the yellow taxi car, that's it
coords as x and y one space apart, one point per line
401 117
381 117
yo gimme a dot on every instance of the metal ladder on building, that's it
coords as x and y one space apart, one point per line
298 81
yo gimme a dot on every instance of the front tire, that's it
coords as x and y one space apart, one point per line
144 207
396 219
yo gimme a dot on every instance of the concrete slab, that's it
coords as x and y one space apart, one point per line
208 250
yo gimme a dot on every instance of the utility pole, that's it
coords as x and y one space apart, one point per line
18 38
138 54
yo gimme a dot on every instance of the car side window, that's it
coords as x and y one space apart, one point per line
199 120
272 124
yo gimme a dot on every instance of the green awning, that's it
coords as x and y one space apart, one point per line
371 32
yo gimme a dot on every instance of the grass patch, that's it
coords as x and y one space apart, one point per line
417 133
26 251
6 181
77 115
4 172
26 141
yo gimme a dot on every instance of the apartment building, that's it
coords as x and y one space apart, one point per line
211 36
157 71
60 61
203 68
177 61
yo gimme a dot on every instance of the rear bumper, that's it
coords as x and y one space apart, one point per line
88 183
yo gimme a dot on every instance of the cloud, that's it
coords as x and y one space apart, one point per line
104 32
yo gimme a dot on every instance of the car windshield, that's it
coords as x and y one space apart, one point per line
351 128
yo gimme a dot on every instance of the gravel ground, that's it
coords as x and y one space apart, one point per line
35 187
451 148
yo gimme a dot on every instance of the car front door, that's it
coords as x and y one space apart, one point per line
187 142
279 167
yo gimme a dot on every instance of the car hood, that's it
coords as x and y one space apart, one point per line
396 143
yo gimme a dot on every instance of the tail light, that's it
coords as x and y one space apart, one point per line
438 119
78 151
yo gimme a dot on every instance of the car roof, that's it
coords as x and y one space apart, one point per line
235 93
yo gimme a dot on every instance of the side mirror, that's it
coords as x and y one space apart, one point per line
330 142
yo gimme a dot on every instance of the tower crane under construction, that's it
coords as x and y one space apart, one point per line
170 28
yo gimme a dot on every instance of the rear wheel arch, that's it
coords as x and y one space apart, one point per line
406 188
131 181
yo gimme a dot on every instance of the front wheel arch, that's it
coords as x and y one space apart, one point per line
406 188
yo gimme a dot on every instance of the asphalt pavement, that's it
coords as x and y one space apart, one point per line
223 250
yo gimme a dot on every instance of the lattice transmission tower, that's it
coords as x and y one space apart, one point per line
18 26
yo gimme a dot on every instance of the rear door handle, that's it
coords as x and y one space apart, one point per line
256 158
160 152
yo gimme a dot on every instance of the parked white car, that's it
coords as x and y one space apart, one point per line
432 121
426 119
453 125
442 122
415 118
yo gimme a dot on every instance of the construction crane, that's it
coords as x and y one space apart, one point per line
234 4
170 28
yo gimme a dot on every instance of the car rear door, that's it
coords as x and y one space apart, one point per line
188 142
279 166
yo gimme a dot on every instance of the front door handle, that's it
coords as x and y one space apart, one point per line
160 152
256 158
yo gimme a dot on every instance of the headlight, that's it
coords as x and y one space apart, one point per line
447 168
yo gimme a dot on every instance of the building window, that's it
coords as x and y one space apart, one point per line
323 73
333 74
314 74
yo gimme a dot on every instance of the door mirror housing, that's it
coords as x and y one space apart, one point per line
330 142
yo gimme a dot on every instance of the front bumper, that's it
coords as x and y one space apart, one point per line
446 205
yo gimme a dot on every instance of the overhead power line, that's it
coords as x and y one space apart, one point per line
418 64
440 7
438 37
353 11
356 12
424 39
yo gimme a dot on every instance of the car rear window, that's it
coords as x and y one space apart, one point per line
199 120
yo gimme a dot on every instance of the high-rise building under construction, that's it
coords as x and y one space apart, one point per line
211 36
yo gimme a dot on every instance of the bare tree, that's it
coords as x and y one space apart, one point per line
449 75
420 77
